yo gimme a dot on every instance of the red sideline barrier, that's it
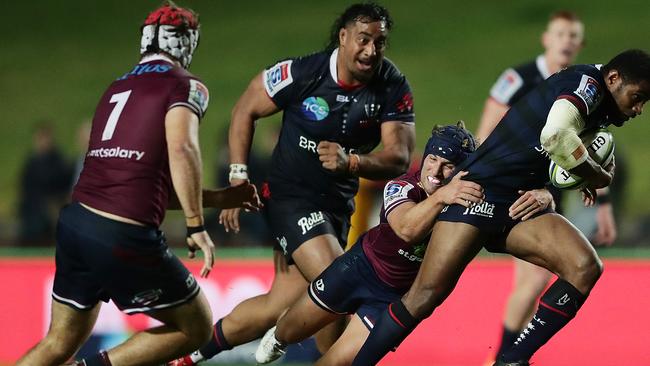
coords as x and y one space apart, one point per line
611 329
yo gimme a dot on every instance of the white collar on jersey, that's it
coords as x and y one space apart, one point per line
542 66
333 65
156 57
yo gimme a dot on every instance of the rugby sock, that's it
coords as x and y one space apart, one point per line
100 359
217 343
392 327
508 337
557 307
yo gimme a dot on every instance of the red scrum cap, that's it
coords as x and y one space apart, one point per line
173 30
170 14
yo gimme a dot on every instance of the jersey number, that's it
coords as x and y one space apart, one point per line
120 101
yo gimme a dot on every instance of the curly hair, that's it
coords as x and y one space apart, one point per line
360 12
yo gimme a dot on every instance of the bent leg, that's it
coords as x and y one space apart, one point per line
529 282
68 330
551 241
346 347
252 318
451 247
303 319
186 328
312 258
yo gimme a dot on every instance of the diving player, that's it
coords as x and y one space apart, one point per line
382 265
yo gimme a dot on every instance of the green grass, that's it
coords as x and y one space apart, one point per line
57 59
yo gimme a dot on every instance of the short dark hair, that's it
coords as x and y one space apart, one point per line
564 14
633 66
361 12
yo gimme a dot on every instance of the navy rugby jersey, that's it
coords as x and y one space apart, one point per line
517 81
126 169
318 108
512 157
395 261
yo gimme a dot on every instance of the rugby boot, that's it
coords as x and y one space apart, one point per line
189 360
270 349
516 363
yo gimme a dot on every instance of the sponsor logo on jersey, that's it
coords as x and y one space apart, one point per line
146 68
396 190
544 153
198 96
409 256
307 144
277 77
342 98
505 88
283 243
115 152
484 209
314 219
589 92
315 108
147 297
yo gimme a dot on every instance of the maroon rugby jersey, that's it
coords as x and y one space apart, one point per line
395 261
126 169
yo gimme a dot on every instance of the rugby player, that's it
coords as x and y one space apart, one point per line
544 123
143 153
562 40
338 105
382 265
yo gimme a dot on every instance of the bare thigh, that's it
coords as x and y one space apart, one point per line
347 346
451 247
552 242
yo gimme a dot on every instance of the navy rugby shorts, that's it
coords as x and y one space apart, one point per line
295 221
491 218
100 259
350 285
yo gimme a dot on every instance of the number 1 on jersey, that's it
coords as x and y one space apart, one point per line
120 101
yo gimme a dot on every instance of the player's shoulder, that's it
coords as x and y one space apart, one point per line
389 73
576 72
409 180
527 70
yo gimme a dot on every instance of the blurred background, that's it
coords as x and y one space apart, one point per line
59 57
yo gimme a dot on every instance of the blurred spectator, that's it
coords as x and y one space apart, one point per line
83 135
44 186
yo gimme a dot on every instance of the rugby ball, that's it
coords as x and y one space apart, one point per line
600 145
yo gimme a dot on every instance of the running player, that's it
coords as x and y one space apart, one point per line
338 105
383 264
144 140
562 40
546 122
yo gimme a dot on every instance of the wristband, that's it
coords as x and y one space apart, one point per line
353 163
604 198
194 229
238 171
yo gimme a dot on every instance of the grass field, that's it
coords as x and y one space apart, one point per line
58 58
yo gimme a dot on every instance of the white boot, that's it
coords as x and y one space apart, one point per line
270 349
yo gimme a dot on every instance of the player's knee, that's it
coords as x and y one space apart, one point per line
423 302
585 272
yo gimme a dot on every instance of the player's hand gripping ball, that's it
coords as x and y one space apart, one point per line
599 144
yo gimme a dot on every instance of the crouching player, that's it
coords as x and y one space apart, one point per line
381 267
